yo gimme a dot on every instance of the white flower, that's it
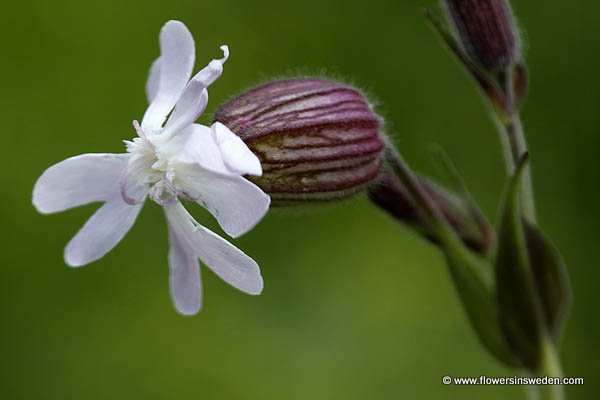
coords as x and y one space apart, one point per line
170 159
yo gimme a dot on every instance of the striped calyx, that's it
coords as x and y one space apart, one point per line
316 139
486 30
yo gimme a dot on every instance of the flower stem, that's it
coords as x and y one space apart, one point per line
439 225
514 142
427 207
517 148
550 367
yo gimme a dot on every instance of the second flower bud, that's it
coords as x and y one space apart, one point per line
317 139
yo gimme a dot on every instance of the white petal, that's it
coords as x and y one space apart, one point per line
235 202
184 278
236 155
153 80
101 232
195 97
176 64
189 107
78 180
197 145
226 260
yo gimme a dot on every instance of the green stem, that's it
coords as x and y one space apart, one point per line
432 214
515 135
550 367
514 142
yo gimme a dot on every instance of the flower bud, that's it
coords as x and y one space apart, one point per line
316 139
390 195
486 30
532 284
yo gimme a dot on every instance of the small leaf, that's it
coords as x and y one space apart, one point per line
473 281
518 304
480 225
550 277
445 34
531 281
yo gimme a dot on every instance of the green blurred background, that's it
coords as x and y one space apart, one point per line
355 306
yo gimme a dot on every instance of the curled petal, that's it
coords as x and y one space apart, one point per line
226 260
184 278
235 202
174 71
195 96
236 155
101 232
78 180
213 70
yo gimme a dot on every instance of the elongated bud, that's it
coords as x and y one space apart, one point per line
486 30
316 139
390 195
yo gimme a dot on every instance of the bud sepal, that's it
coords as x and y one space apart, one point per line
491 56
317 140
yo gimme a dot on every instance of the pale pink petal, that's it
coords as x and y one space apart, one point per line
188 108
236 155
101 232
226 260
197 145
176 64
235 202
153 81
184 278
79 180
